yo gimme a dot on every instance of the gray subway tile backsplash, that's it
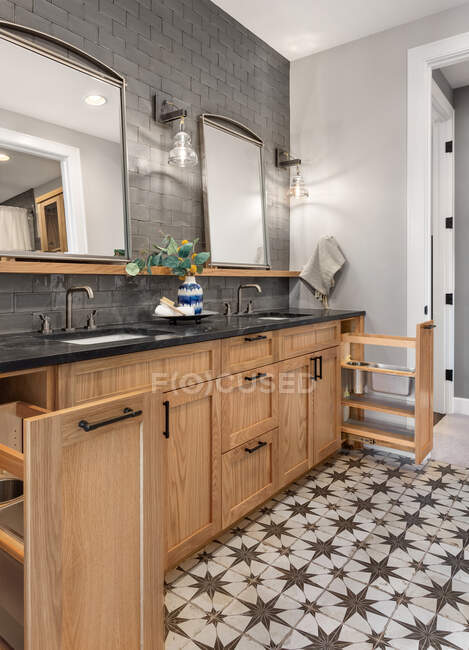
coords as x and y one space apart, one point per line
118 299
193 53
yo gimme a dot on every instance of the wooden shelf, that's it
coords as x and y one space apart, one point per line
384 371
84 268
381 432
12 546
380 405
380 339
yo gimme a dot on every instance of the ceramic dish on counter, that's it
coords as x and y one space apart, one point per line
175 318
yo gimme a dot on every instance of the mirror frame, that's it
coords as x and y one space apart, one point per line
239 130
83 62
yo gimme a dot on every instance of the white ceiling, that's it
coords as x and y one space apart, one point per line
23 172
297 28
457 74
39 87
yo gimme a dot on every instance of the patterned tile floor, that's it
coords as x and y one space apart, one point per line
367 551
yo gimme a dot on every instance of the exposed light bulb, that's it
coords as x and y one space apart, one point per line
4 157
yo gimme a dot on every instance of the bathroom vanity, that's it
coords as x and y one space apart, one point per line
135 454
138 452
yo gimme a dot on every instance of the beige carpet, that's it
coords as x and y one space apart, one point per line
451 442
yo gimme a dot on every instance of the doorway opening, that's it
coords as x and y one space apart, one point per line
435 228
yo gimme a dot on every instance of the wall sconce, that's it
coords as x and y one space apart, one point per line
283 160
181 154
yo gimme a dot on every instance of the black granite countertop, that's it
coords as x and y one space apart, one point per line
32 350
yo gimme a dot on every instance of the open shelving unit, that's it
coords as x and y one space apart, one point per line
359 427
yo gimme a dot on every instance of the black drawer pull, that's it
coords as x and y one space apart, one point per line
128 413
253 449
317 375
250 339
166 419
258 376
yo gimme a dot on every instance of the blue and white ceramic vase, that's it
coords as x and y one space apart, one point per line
191 293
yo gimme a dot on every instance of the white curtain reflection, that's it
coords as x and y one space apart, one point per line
14 229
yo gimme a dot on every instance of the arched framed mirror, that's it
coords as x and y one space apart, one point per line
63 160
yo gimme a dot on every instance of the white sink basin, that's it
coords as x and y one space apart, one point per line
103 338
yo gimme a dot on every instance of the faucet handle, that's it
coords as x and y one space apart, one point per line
91 320
227 311
249 308
46 327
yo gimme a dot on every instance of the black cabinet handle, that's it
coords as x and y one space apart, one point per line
166 419
253 449
258 376
317 375
250 339
128 413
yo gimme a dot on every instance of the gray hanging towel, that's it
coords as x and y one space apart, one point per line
319 271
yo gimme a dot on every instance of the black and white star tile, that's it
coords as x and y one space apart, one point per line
366 551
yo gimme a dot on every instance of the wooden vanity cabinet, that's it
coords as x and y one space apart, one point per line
249 405
296 418
192 456
248 351
296 341
164 369
93 573
250 476
93 477
327 405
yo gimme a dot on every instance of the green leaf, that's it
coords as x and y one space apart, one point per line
201 258
132 268
157 259
186 263
171 261
185 250
172 247
200 269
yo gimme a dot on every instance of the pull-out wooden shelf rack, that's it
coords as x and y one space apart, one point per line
418 439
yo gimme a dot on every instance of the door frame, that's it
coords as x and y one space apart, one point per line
421 61
443 246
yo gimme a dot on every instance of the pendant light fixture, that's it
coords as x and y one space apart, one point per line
297 186
182 154
284 160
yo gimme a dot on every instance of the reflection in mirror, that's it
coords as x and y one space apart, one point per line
234 202
62 156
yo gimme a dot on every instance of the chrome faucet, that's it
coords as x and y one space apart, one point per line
69 298
240 289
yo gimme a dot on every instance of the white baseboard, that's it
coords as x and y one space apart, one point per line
461 406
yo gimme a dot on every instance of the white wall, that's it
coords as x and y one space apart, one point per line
348 124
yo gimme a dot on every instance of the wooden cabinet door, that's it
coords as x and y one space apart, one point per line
249 405
327 408
93 517
193 456
295 407
249 476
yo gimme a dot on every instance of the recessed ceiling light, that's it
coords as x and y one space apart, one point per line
95 100
4 157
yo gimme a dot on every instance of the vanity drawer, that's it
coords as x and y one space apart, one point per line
296 341
249 351
249 405
249 476
165 369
